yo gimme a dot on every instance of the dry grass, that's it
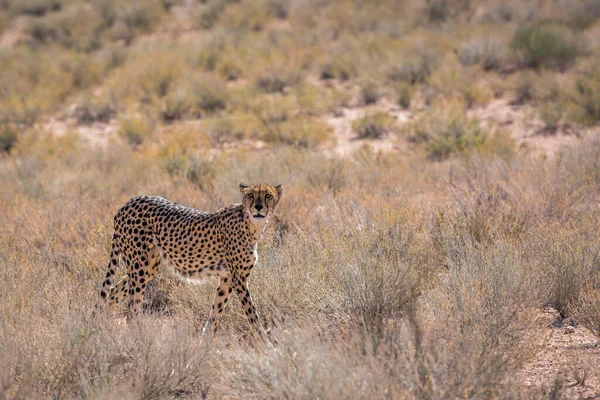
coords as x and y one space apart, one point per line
369 288
414 274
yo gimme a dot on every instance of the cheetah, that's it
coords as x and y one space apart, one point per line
150 231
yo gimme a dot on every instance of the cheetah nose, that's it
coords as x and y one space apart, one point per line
258 207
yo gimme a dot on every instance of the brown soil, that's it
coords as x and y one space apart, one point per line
567 362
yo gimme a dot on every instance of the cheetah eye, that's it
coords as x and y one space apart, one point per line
268 196
250 196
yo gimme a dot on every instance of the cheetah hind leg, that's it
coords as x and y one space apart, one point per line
119 292
144 270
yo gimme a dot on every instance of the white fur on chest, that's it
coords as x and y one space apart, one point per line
259 226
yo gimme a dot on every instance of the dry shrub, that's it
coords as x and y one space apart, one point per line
476 309
70 353
34 7
303 132
586 100
373 126
445 132
210 94
369 93
96 109
563 268
364 291
586 307
489 52
8 137
135 128
78 27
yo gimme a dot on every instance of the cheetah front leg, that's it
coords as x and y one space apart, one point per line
221 297
241 288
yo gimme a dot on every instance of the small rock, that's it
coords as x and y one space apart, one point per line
337 113
569 329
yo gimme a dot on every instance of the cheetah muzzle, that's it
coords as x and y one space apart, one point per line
152 231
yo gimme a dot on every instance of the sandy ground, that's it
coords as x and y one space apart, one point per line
569 354
519 120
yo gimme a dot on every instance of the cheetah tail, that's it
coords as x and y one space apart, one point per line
115 255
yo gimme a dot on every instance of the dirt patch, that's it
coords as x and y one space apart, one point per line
521 121
568 355
95 134
345 139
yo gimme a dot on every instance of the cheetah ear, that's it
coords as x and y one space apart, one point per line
279 189
243 187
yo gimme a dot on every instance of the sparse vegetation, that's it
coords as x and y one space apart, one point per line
8 137
373 126
445 132
545 45
413 265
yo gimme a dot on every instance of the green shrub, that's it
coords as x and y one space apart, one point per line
545 45
373 126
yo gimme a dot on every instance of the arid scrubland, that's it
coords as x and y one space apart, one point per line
418 272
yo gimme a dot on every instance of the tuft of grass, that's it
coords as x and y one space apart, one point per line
373 126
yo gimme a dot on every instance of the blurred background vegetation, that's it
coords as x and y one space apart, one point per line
271 70
442 186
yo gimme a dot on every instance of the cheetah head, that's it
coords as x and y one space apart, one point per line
260 199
